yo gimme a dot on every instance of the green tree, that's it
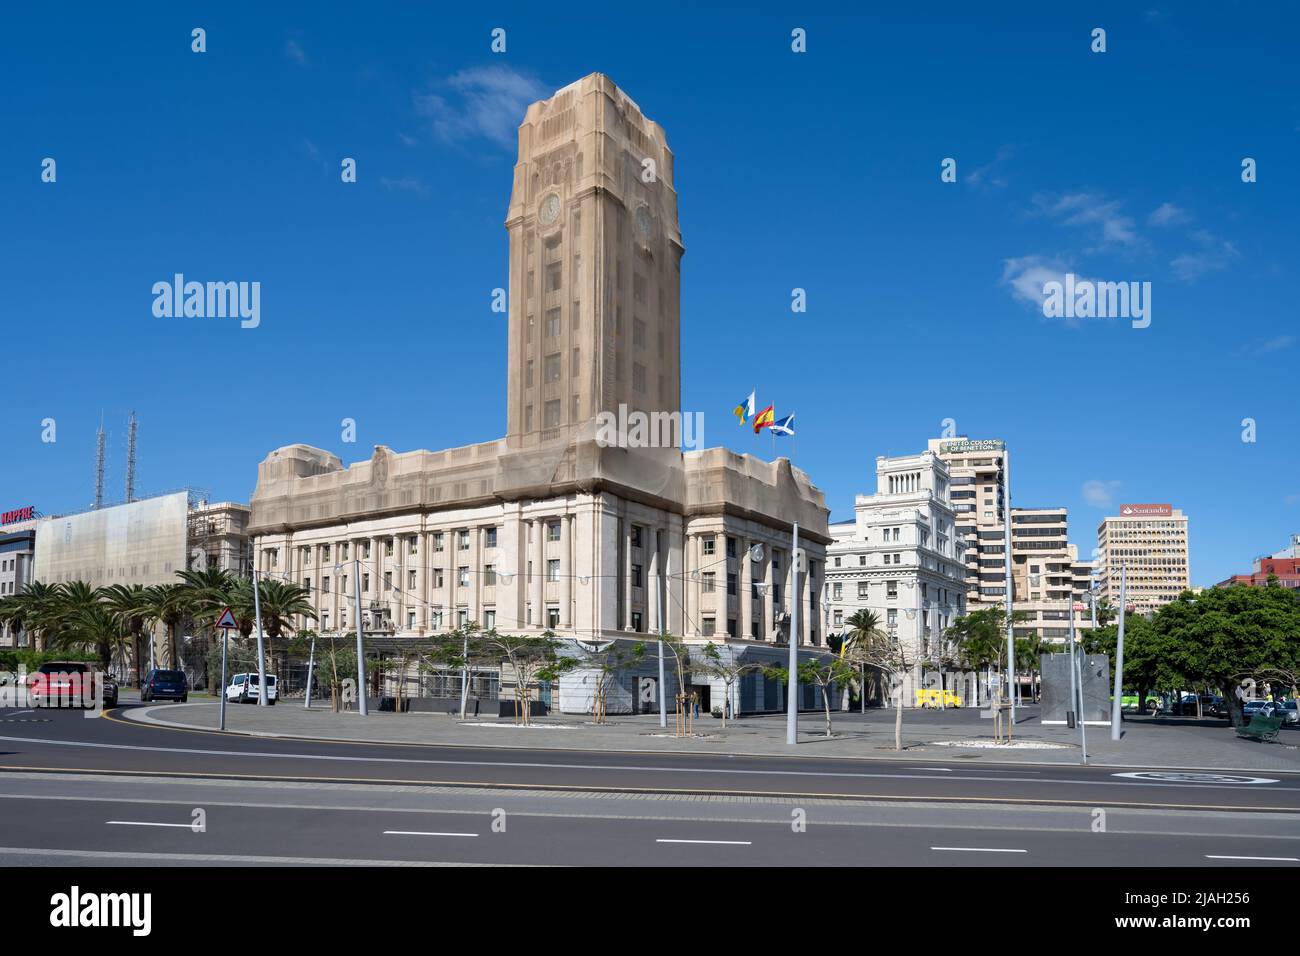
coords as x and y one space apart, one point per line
129 603
282 603
863 628
825 672
724 667
1223 635
606 659
170 604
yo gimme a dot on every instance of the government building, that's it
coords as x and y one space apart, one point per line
553 526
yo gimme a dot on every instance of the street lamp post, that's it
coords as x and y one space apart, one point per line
1115 706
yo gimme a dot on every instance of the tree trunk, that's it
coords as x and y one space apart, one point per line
826 700
1233 703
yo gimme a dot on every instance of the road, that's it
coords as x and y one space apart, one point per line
83 791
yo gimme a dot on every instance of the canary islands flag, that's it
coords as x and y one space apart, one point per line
784 427
764 418
744 409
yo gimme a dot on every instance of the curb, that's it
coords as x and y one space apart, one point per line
145 718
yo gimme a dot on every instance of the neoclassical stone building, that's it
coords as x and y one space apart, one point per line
550 527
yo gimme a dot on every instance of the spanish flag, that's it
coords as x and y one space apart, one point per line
744 409
764 418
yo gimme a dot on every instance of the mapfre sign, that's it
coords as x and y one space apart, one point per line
1145 511
18 514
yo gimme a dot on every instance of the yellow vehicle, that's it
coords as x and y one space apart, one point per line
929 697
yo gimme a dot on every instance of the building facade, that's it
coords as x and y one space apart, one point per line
1150 541
902 558
17 558
554 527
1284 566
1050 584
979 474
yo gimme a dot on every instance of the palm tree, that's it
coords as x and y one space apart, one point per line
96 629
129 603
282 602
864 628
37 607
209 590
169 603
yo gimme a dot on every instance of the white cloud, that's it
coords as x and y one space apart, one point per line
1168 214
1214 255
1100 494
294 51
990 174
406 184
481 103
1027 275
1265 346
1101 215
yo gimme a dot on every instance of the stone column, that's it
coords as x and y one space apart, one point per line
627 574
746 592
652 582
769 621
539 573
475 561
567 566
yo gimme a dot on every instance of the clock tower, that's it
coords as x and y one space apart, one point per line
595 266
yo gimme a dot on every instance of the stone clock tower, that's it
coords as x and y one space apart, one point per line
595 266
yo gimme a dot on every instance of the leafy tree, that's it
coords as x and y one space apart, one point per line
1147 663
170 604
1224 635
727 669
282 603
36 607
607 660
95 630
532 659
825 672
863 627
129 603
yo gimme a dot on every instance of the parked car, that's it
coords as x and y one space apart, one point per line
929 697
243 689
1129 701
61 684
1286 709
165 685
1252 707
1186 707
108 690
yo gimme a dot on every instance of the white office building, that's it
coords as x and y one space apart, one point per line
902 558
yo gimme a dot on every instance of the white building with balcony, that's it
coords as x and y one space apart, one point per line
902 558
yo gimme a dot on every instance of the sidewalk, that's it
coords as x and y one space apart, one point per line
927 735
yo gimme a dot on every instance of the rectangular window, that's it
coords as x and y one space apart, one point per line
552 323
490 537
552 617
862 590
839 618
636 575
708 578
708 626
462 618
552 531
388 547
638 333
412 544
731 584
462 577
528 374
489 619
462 540
891 589
837 592
388 580
636 536
636 621
437 541
575 363
554 277
551 370
365 583
410 620
551 413
709 545
638 377
489 575
553 570
410 580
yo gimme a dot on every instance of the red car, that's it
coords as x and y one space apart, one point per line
62 684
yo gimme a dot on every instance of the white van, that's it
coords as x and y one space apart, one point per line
243 689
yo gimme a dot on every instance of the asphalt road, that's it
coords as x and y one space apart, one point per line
79 790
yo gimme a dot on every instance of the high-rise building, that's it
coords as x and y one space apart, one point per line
1150 542
553 527
1045 571
901 558
978 471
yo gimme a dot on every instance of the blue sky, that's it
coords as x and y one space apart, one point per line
816 170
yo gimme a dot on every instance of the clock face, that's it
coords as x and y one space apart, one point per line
550 210
643 221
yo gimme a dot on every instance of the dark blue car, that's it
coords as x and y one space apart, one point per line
165 685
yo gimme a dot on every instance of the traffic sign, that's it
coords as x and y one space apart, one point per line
227 620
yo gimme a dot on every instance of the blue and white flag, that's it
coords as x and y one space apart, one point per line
785 426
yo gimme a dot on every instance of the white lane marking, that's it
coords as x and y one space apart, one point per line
937 769
569 766
975 849
712 842
171 858
1269 859
1186 777
425 833
141 823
